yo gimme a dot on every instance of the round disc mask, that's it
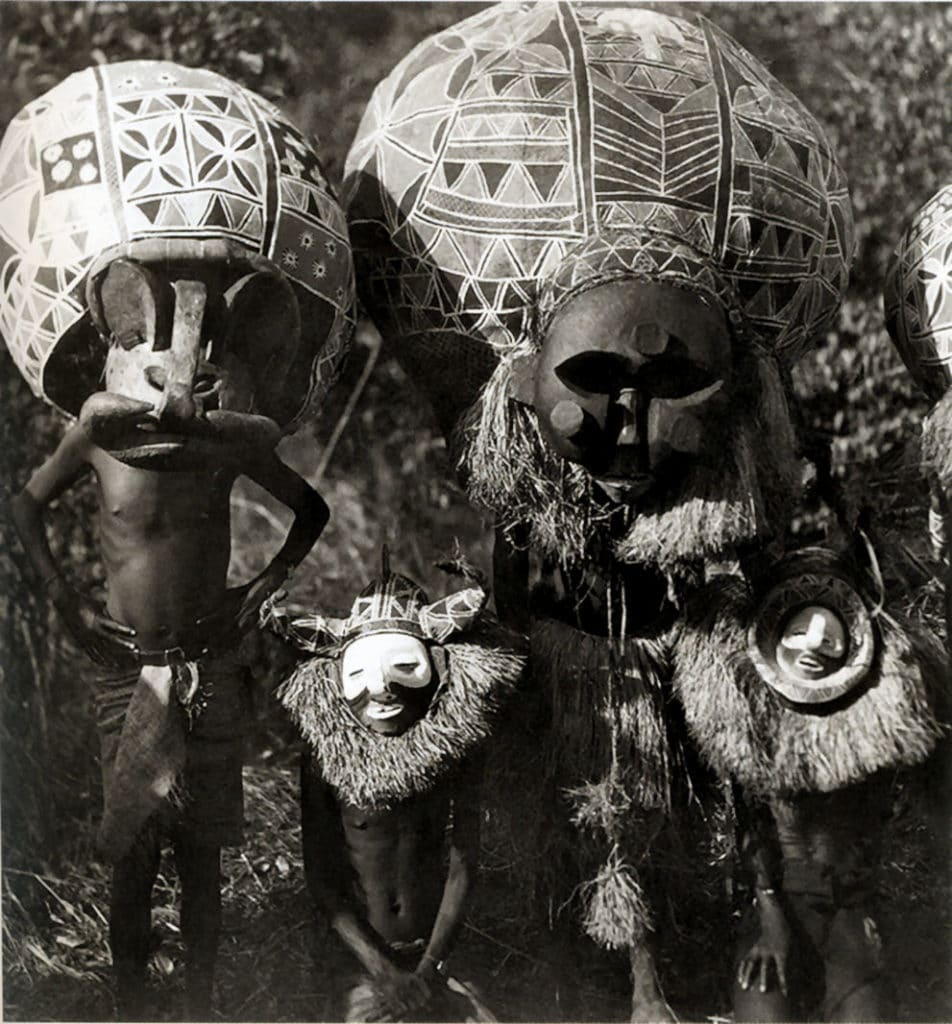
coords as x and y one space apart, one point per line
632 381
388 681
812 639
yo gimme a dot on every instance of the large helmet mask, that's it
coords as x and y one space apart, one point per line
917 295
175 269
499 204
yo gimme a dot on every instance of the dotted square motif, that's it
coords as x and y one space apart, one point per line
71 162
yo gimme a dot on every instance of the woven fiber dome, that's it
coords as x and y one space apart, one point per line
149 150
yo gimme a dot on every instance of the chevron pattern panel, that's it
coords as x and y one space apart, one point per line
500 145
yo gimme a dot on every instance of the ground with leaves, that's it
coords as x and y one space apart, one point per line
880 78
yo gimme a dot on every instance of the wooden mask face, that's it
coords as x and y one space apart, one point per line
813 644
387 680
197 352
632 383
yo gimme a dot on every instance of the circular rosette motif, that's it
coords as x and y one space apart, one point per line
506 145
813 593
918 295
147 154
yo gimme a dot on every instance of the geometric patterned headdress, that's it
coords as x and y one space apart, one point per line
917 295
149 151
637 256
499 145
389 604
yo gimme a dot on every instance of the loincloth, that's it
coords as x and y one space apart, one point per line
204 799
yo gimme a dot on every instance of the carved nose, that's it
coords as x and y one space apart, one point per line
627 405
379 687
176 405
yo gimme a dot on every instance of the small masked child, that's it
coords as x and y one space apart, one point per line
802 693
397 704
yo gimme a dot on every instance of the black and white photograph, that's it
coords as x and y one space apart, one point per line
475 511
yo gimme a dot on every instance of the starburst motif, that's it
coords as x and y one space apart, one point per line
936 276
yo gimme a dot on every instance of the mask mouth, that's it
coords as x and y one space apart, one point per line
810 665
380 711
127 428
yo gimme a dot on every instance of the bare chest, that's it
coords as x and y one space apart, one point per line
150 504
396 860
394 848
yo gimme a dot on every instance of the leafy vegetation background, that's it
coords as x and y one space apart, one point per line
878 76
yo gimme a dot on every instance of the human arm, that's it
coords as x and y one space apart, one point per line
310 517
461 872
770 951
102 638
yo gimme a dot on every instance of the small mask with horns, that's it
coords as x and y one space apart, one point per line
385 647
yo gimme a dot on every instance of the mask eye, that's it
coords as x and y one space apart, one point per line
413 673
130 305
672 376
596 373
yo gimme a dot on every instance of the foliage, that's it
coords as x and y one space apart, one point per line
879 78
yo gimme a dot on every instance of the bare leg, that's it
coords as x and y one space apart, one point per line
647 1002
130 923
752 1005
854 989
199 868
864 1004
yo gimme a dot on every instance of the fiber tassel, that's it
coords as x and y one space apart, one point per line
616 913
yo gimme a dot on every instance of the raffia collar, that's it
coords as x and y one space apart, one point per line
370 770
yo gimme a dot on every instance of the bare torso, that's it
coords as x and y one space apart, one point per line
396 856
840 830
165 541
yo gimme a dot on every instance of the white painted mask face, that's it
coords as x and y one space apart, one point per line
386 679
813 644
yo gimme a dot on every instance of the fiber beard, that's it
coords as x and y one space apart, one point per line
746 733
478 677
740 495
